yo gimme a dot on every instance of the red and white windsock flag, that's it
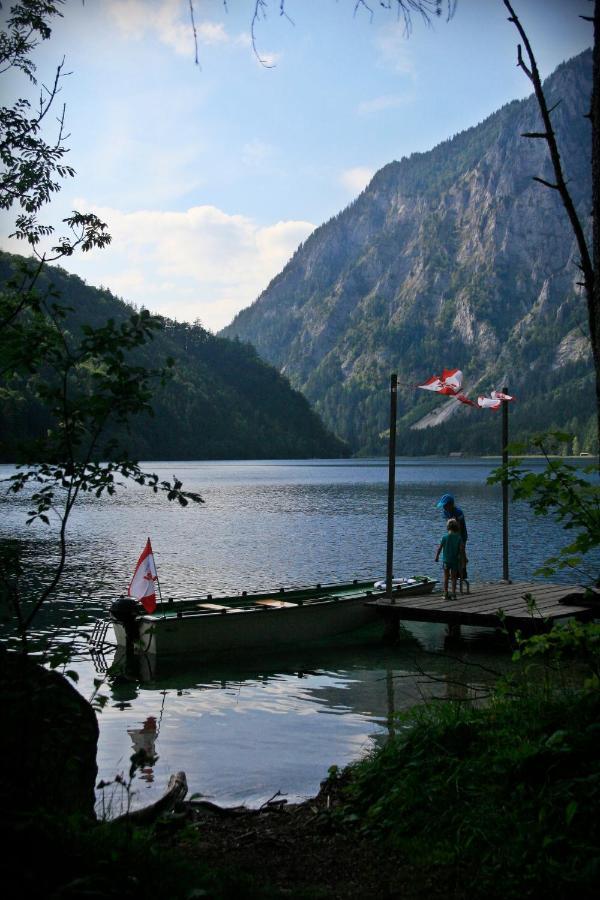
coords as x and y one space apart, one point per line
489 402
494 401
143 583
449 382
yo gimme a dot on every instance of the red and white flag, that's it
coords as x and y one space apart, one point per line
494 401
489 402
143 583
449 382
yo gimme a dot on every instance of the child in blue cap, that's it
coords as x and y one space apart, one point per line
452 549
451 511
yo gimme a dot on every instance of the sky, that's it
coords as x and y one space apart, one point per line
209 176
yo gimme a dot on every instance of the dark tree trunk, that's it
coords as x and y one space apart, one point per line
589 256
594 299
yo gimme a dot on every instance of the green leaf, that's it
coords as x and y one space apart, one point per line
570 811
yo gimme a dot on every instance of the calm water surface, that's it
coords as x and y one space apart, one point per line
247 728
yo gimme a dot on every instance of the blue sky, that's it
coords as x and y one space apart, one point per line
209 177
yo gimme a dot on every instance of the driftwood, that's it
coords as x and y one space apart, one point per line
176 791
207 806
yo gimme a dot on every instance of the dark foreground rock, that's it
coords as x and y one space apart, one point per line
48 749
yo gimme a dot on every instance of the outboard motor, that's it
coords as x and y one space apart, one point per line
127 611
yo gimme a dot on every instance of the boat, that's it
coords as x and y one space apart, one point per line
206 625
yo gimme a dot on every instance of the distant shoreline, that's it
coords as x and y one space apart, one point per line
592 457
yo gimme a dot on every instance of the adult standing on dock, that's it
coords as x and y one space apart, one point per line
451 511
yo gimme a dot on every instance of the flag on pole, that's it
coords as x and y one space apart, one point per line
489 402
464 399
449 382
143 583
494 401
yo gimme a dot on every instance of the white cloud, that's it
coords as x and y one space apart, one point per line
256 152
243 40
201 263
394 50
160 171
212 33
379 104
269 60
169 20
356 179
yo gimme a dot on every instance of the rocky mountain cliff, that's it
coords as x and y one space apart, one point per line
451 258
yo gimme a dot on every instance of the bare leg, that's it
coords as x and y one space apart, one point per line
453 583
446 575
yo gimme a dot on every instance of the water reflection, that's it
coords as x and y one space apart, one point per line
244 728
280 523
143 741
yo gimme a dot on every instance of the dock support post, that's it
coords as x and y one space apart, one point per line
391 629
453 633
389 569
505 569
391 706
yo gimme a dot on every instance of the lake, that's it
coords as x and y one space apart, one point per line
250 727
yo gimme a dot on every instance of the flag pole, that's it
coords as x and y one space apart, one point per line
505 570
389 571
158 586
162 606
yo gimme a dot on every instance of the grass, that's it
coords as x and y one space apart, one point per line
74 858
507 796
495 801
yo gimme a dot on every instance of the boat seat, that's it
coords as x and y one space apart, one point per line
274 604
215 607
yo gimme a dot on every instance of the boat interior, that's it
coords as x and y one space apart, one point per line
283 598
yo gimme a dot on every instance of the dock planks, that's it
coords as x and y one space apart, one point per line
481 606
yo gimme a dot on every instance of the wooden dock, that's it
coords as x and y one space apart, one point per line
494 604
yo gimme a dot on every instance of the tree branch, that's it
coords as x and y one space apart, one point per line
533 74
548 184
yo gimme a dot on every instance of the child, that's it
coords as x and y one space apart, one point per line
452 549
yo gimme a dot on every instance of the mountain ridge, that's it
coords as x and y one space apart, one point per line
222 401
453 257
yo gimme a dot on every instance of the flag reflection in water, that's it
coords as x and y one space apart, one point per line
143 740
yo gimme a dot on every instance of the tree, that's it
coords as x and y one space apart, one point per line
593 298
566 493
405 9
589 258
86 379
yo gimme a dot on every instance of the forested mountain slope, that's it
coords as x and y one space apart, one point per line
223 402
451 258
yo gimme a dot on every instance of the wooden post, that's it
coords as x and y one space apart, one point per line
505 570
391 706
389 571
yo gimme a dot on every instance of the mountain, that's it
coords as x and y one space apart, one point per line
450 258
223 402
